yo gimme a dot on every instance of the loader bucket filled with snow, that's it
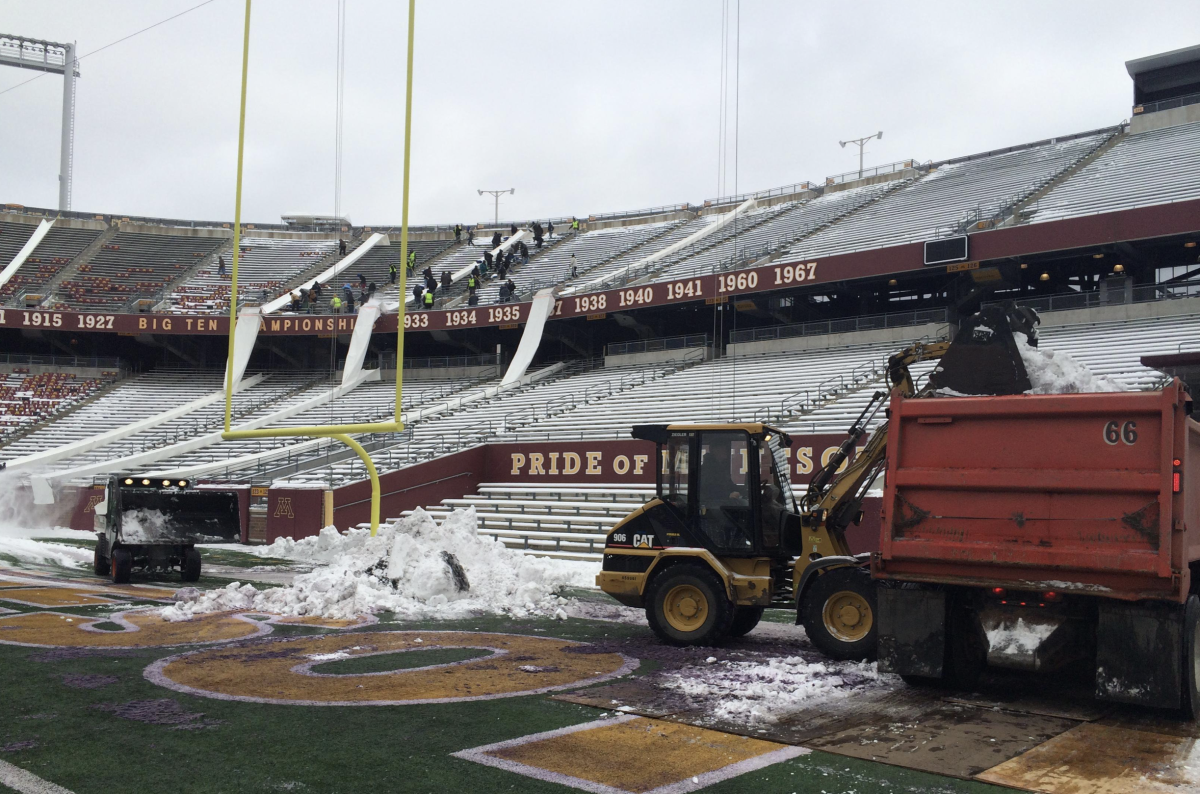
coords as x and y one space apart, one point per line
984 357
179 516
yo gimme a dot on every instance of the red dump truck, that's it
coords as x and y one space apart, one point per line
1041 531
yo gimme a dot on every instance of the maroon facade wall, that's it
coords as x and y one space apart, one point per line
416 486
294 512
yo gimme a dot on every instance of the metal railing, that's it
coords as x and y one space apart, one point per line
844 325
654 345
388 361
796 187
1166 104
1112 297
63 361
889 168
612 216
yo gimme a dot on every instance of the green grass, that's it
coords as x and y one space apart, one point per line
266 748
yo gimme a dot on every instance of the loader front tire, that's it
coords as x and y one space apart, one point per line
839 614
744 621
99 562
191 565
122 566
688 606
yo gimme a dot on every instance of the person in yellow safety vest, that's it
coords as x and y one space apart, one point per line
336 303
412 261
575 225
472 284
428 298
392 270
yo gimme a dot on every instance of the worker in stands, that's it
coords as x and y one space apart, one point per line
428 299
574 267
412 261
336 304
574 225
392 272
446 280
457 232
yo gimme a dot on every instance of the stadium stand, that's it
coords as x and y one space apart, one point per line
741 243
1149 168
376 263
132 265
953 194
27 399
264 264
58 248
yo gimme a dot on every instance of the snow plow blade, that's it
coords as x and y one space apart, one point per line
984 358
199 516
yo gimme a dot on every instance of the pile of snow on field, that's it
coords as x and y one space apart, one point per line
415 568
1055 372
767 692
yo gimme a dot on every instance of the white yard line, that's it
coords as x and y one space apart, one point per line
18 779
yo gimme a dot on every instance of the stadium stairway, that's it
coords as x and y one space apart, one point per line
561 521
48 289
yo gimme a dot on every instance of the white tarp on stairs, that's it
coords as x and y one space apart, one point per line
11 269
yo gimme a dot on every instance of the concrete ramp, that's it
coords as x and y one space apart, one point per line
12 267
539 312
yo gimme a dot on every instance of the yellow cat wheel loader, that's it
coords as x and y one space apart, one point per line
725 539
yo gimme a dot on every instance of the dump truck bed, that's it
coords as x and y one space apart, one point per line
1086 493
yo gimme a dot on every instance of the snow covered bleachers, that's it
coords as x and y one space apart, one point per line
375 264
151 394
54 252
591 249
265 263
28 399
951 194
675 231
1156 167
132 265
765 231
562 521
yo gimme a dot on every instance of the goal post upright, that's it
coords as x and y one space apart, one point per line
339 433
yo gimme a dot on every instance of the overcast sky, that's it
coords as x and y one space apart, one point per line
582 107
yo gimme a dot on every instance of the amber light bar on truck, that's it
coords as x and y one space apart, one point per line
146 482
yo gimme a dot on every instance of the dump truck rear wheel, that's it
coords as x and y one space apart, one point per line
99 562
688 606
122 566
744 621
1191 658
838 614
191 565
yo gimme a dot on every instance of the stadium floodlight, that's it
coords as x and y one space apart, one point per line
497 194
56 58
861 143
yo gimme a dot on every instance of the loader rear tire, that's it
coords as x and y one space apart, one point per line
688 606
191 565
122 566
1191 659
99 562
744 621
839 614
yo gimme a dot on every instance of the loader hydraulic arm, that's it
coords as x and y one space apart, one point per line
835 497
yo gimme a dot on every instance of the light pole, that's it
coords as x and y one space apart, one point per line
57 58
497 194
861 143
